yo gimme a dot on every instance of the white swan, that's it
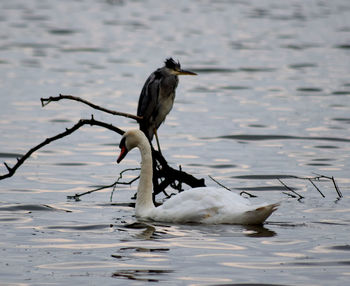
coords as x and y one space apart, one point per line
201 205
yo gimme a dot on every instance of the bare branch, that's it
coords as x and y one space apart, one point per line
249 194
221 185
124 183
289 194
340 195
291 190
46 101
82 122
310 180
7 166
241 193
169 176
113 185
319 177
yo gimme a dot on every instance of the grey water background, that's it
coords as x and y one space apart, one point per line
271 100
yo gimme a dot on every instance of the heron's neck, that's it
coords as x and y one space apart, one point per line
144 201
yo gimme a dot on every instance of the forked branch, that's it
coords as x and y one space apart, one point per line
318 177
291 190
76 197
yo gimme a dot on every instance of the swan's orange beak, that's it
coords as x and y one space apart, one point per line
122 154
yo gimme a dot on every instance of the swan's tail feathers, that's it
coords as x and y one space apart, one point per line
260 214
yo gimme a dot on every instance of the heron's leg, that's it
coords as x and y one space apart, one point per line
158 145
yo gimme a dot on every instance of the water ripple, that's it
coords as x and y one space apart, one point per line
80 227
265 188
263 177
260 137
61 31
256 69
213 70
309 89
302 66
10 155
83 50
343 46
341 92
146 275
29 207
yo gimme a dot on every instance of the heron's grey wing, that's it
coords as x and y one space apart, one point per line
149 96
148 101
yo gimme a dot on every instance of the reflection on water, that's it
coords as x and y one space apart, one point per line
159 252
270 102
146 275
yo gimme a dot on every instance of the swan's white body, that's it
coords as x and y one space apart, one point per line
201 205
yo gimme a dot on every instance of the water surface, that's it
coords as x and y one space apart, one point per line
271 101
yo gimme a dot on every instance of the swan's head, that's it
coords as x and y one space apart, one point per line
130 140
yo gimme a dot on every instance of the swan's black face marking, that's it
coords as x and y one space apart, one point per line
123 150
122 142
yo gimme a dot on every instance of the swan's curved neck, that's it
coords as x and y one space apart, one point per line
144 201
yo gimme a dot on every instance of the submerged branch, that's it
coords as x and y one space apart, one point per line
76 197
318 177
46 101
340 195
81 122
310 180
290 189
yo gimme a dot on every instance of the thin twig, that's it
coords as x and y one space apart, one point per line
81 122
113 185
340 195
221 185
124 183
291 190
289 194
310 180
249 194
318 178
46 101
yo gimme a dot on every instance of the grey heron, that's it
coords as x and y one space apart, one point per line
157 97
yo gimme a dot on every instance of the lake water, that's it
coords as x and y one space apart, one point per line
271 100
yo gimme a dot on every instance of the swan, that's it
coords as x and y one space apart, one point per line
207 205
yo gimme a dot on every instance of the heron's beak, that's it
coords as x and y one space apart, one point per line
122 154
185 72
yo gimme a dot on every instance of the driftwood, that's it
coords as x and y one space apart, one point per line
163 175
